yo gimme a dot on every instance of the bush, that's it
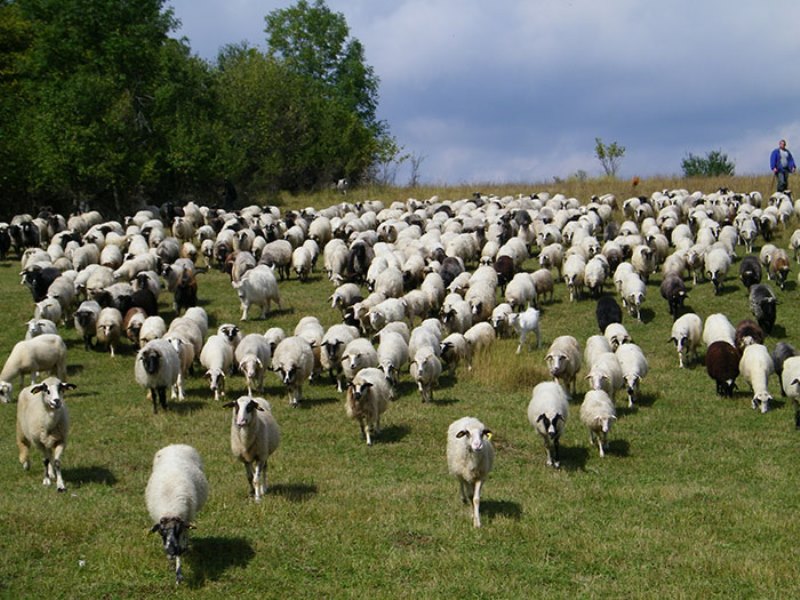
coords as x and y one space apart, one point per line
715 163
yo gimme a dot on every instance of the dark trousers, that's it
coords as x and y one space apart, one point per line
783 179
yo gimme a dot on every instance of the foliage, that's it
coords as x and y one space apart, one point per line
715 164
609 155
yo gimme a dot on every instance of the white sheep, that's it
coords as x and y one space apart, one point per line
49 308
301 262
479 337
186 356
46 352
717 328
548 411
253 356
153 328
574 268
598 414
520 291
109 328
157 368
392 354
595 346
617 335
790 381
43 422
524 323
564 361
199 315
454 350
633 294
176 491
756 366
425 369
344 296
470 457
358 354
217 358
368 396
258 287
717 264
387 311
634 369
36 327
255 435
606 374
686 333
293 360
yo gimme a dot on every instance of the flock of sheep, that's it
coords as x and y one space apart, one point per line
444 280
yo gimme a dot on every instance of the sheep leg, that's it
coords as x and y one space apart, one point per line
476 504
244 311
178 570
256 483
24 448
465 491
49 475
522 336
56 468
248 469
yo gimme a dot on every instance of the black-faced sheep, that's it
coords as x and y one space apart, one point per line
764 306
607 311
157 368
722 365
547 413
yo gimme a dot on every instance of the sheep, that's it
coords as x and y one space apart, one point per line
780 354
525 323
594 275
368 396
332 347
595 346
132 323
717 261
425 369
542 284
481 297
277 254
634 369
598 414
258 286
685 334
606 374
748 332
43 422
456 314
548 411
176 491
358 354
36 327
217 357
564 361
433 287
479 337
520 292
152 328
756 366
717 328
424 336
274 335
574 268
108 328
392 354
186 356
255 435
49 309
345 296
387 311
46 352
764 306
673 290
185 293
778 268
157 368
633 294
499 319
790 384
470 457
607 312
301 262
253 356
293 360
722 365
750 271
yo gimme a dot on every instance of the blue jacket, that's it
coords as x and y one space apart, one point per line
775 159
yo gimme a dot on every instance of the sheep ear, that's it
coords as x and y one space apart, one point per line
795 381
541 418
462 433
68 386
367 384
38 388
487 433
156 527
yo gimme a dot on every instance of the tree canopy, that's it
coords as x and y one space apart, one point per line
714 164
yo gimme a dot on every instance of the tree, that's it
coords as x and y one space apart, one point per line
715 164
610 156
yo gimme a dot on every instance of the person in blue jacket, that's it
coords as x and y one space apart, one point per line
782 163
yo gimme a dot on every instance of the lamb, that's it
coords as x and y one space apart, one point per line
157 368
255 435
790 384
293 360
176 491
259 287
217 358
109 328
525 323
718 328
722 365
564 361
368 396
358 354
634 369
764 306
606 374
392 354
46 352
470 457
598 414
426 368
43 422
686 332
548 411
253 356
756 366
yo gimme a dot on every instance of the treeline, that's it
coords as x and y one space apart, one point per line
101 107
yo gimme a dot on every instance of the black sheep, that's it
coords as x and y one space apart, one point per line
750 271
782 351
607 312
764 306
748 332
722 365
673 290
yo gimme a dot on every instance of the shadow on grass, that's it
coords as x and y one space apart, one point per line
573 458
311 402
778 331
212 556
293 492
81 476
185 407
493 508
393 434
439 401
647 314
619 448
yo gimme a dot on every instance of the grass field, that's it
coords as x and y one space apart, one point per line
696 498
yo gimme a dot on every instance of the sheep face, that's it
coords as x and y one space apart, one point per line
360 390
216 381
287 376
604 423
551 426
151 360
6 391
475 438
231 332
175 537
53 393
244 409
761 401
556 363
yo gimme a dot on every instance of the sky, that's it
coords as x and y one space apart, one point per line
518 92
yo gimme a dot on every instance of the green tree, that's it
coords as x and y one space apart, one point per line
609 155
715 164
